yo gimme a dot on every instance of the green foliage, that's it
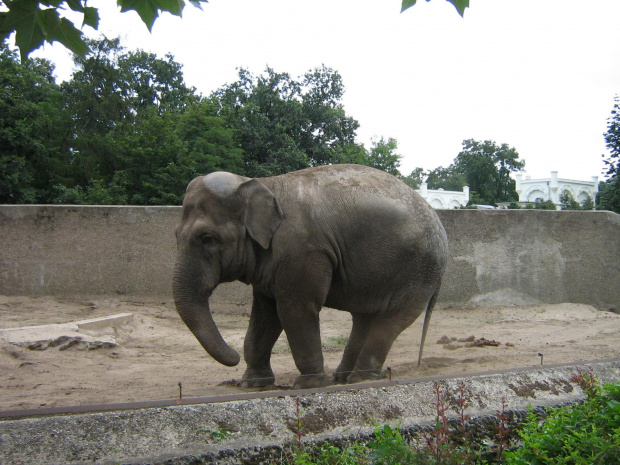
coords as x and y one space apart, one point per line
580 434
546 205
450 178
389 447
125 129
460 5
37 21
609 196
34 25
577 434
587 204
483 166
415 178
382 156
568 202
285 124
31 128
487 167
217 435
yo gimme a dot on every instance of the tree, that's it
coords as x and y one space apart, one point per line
97 102
487 167
155 82
30 128
587 204
545 205
568 202
124 130
34 25
124 107
415 178
286 124
450 178
382 155
609 193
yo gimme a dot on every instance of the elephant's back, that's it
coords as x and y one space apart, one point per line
378 232
335 184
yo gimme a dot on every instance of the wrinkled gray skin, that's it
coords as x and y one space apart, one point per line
347 237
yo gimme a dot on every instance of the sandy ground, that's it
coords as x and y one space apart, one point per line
155 351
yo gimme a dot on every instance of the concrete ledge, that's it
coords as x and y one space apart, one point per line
96 330
257 428
111 321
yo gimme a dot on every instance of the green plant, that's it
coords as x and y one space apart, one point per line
217 435
579 434
576 434
502 430
336 342
452 445
546 205
389 447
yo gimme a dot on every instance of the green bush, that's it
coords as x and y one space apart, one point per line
580 434
586 433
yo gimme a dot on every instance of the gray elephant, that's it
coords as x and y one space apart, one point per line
347 237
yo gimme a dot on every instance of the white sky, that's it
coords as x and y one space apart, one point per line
538 75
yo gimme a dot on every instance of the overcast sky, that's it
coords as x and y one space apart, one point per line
538 75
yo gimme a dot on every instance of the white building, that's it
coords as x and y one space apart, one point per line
442 199
541 190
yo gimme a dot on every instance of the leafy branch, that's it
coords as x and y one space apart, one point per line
460 5
35 22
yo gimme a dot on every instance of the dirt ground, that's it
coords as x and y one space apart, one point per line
155 351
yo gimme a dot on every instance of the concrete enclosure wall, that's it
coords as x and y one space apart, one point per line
545 256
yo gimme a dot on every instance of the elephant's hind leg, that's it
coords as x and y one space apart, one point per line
359 333
381 335
263 332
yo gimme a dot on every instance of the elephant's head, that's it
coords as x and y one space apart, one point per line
225 218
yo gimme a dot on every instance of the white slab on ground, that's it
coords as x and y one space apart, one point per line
93 330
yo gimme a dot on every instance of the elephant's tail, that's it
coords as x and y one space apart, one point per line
427 322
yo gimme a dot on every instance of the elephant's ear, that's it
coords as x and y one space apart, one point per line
263 214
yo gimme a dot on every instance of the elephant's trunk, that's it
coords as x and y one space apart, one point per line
191 297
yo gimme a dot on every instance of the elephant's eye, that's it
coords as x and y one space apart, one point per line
208 239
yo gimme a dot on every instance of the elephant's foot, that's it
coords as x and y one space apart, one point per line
359 376
312 381
341 374
257 378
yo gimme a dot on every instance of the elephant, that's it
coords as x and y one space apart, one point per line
348 237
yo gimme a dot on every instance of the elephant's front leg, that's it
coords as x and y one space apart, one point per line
263 332
301 289
301 324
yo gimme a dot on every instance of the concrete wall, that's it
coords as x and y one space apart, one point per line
507 256
533 255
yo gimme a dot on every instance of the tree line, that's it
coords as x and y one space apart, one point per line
127 129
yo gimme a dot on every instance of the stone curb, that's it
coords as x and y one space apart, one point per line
253 430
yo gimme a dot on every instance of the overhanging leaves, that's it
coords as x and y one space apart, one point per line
91 17
62 30
460 5
149 9
34 25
